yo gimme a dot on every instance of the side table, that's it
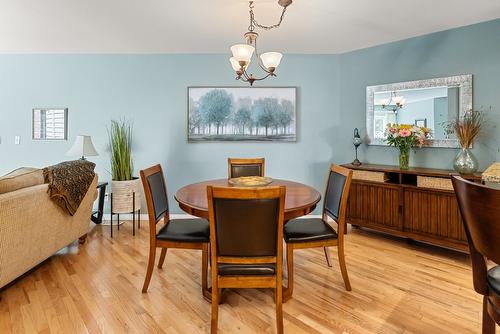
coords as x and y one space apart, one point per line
96 216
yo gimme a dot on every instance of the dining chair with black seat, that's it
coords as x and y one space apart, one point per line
480 209
246 242
245 167
175 233
317 232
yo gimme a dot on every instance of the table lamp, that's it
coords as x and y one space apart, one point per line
82 147
356 140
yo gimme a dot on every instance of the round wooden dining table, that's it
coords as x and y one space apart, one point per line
300 199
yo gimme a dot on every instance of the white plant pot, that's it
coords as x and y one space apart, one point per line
123 195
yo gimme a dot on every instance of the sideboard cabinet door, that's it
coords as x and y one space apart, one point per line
374 205
433 213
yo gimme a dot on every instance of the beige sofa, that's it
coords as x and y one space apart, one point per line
32 226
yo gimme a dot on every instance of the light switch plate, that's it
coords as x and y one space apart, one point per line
17 140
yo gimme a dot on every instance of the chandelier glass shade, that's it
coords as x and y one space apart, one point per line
394 103
242 54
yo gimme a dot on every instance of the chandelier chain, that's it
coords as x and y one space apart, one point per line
254 23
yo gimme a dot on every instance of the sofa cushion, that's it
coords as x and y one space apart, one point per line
21 178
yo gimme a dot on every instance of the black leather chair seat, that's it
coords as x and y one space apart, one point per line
493 279
185 230
246 269
308 229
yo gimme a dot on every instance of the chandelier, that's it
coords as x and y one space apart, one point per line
242 53
394 103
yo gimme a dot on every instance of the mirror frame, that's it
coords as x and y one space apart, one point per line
464 82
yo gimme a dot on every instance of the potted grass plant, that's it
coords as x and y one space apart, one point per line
467 128
124 185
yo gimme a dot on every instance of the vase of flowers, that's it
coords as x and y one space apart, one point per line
404 137
467 128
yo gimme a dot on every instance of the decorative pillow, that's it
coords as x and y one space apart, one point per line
21 178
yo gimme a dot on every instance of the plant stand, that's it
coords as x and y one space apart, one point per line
133 212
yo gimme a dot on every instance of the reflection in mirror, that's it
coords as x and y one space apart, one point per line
431 107
50 124
431 103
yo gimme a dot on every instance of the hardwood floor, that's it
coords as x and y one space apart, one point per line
96 288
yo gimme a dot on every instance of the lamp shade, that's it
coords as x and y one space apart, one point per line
271 59
235 64
384 102
242 52
398 99
82 147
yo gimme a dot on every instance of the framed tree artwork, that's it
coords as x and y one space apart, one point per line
242 114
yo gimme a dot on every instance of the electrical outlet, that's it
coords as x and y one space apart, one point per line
17 140
106 197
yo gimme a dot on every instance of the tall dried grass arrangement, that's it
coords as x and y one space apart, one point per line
120 139
468 127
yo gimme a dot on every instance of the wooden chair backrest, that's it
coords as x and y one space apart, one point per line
246 224
337 190
480 209
245 167
155 191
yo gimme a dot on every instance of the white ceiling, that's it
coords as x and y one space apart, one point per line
211 26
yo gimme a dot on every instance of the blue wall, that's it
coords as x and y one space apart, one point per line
474 49
151 91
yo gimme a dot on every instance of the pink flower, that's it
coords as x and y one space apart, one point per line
404 132
393 130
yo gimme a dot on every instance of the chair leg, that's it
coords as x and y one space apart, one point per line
289 268
221 295
204 270
327 256
343 268
151 265
279 303
488 322
215 308
82 239
162 257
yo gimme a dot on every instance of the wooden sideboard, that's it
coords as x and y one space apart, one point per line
417 204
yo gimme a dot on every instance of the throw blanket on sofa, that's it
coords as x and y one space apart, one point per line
68 182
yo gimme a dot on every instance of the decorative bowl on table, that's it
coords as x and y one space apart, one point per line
250 181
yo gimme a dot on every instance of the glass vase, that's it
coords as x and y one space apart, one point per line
404 158
465 162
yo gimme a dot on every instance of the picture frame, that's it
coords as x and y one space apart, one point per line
422 122
221 113
49 124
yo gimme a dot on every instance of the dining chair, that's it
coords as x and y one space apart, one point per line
175 233
245 167
317 232
480 209
246 242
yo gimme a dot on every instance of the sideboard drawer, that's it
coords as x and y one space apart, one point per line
369 176
434 182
